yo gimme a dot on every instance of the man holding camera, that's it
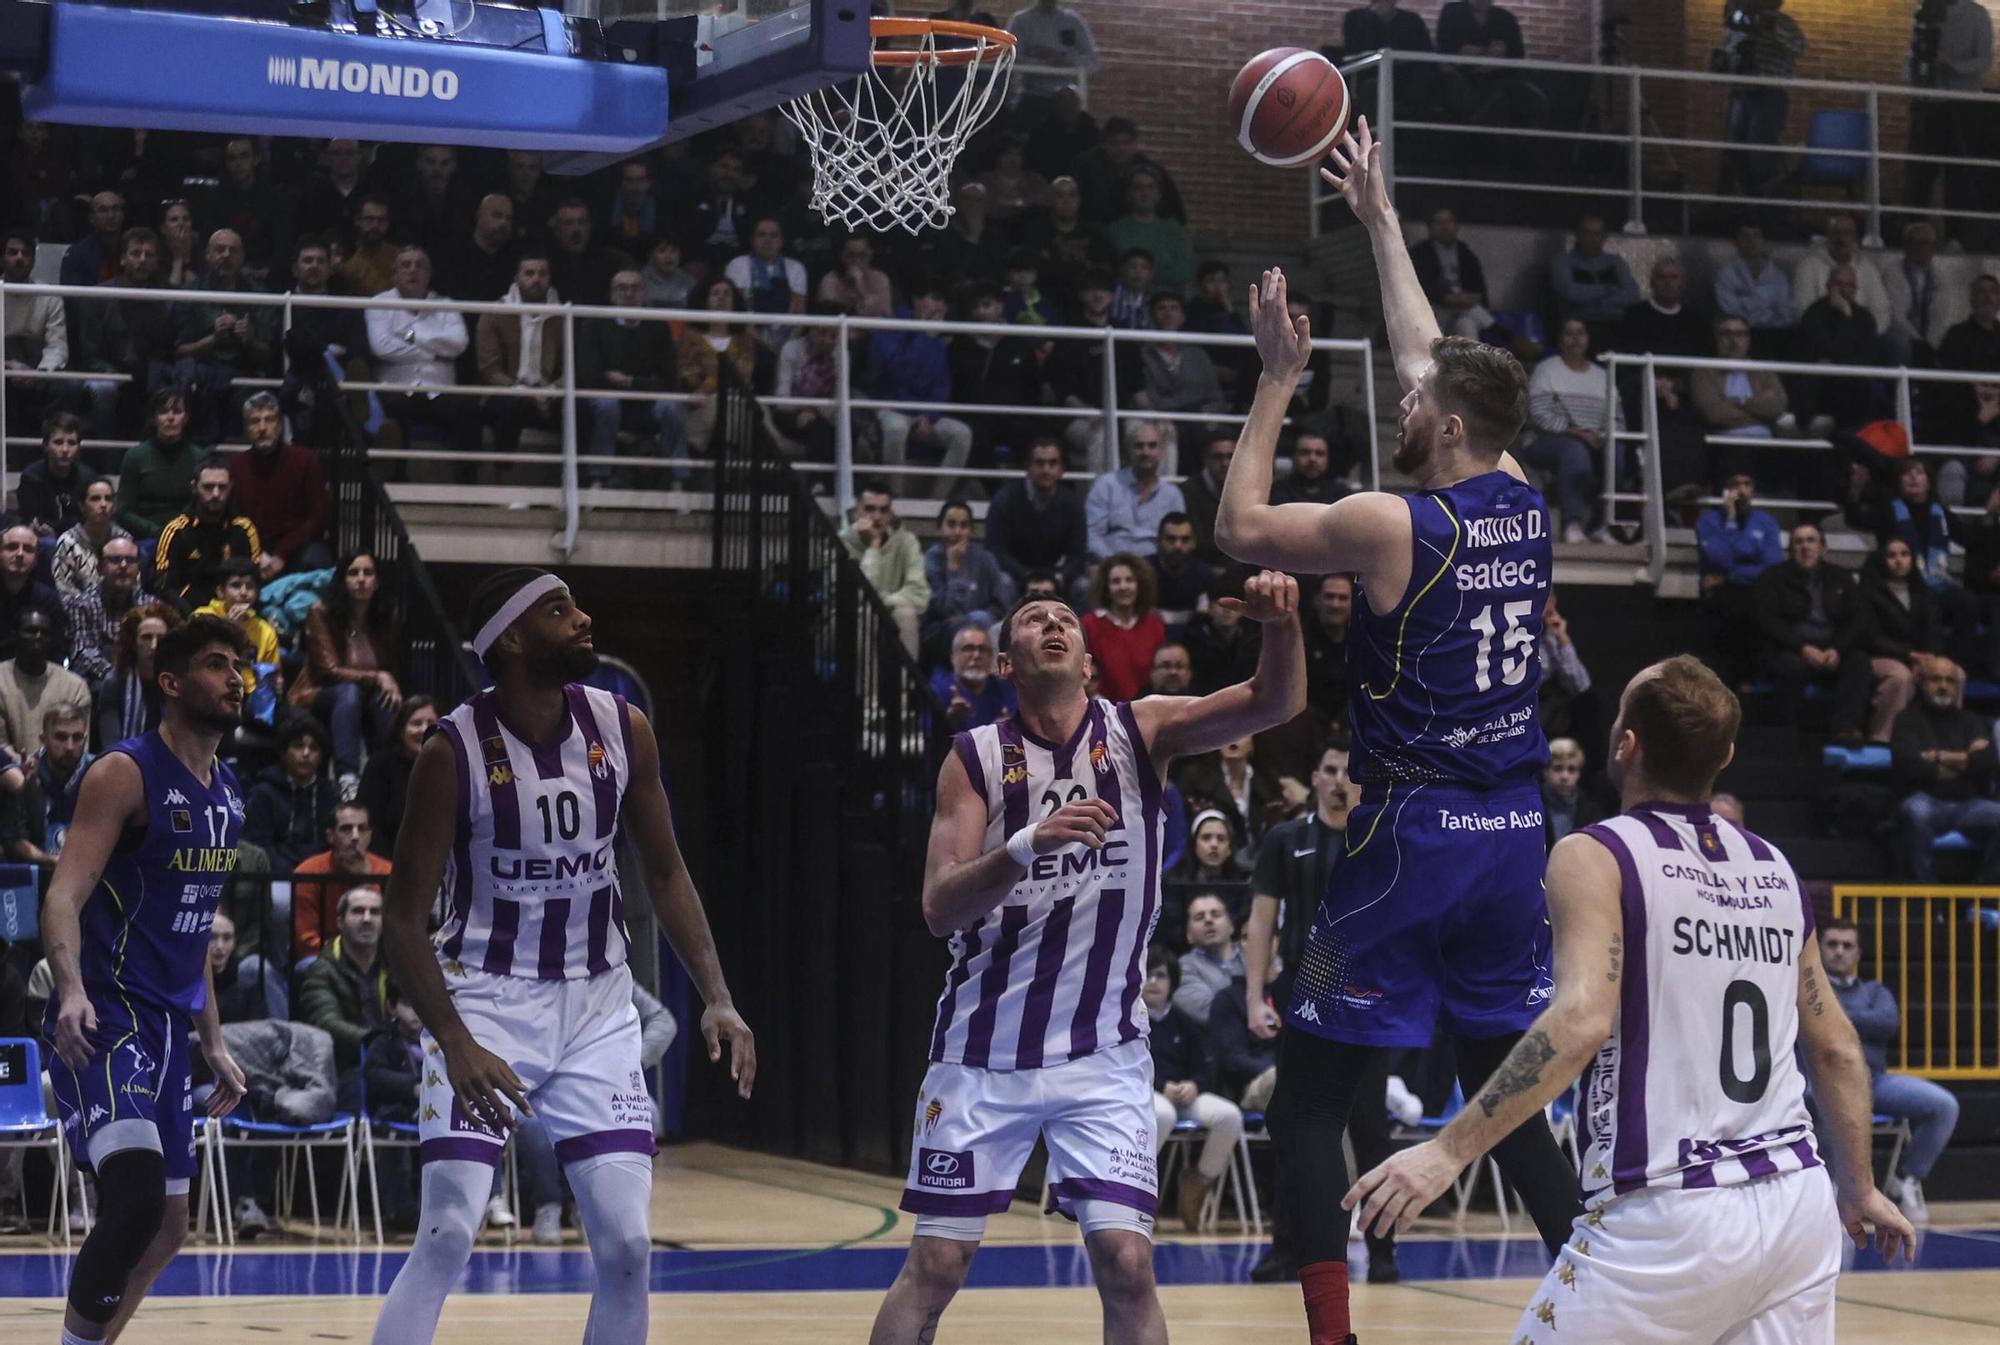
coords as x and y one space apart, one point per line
1951 48
1757 40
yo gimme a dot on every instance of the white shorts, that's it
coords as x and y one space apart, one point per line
976 1128
1753 1264
575 1044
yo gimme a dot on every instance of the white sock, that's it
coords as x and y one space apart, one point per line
614 1200
70 1337
455 1195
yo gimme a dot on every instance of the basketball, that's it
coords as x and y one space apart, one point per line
1288 105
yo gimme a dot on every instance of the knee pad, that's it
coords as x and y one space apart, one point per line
132 1199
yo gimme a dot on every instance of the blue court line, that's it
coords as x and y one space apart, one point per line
794 1270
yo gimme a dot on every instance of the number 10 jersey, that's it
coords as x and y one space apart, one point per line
532 878
1698 1084
1442 688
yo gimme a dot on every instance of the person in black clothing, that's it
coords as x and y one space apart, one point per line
1905 634
581 273
1183 578
1911 514
1482 28
20 591
291 805
122 336
1222 646
385 780
316 336
1202 493
1326 634
1379 26
1813 621
1663 324
1452 278
627 355
1982 577
1183 1086
994 371
238 998
1312 479
1037 522
1836 329
1943 759
49 497
1950 409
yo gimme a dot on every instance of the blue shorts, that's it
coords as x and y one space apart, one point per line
1437 904
135 1092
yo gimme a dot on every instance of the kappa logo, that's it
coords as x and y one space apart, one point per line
96 1114
430 1112
499 775
1566 1276
431 1079
175 796
1307 1012
1545 1312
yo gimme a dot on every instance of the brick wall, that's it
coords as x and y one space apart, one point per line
1168 63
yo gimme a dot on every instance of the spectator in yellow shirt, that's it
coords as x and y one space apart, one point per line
236 600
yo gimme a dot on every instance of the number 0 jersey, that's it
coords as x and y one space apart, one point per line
145 924
1698 1084
533 870
1442 689
1054 972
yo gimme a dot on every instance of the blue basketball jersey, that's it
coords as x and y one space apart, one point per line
1443 688
145 924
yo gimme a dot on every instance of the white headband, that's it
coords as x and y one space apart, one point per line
512 610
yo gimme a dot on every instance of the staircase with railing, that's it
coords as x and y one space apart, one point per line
824 748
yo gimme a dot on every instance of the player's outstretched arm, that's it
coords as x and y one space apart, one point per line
1839 1074
677 906
1411 321
113 794
1589 931
1181 726
430 825
963 880
1353 535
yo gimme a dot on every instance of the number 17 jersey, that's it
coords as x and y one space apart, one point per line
1698 1084
1443 687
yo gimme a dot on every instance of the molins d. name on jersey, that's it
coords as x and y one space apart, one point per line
1502 530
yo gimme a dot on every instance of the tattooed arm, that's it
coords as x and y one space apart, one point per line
1589 929
1839 1074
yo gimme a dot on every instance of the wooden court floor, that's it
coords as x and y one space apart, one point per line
771 1224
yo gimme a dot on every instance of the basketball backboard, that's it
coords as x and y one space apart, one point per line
582 86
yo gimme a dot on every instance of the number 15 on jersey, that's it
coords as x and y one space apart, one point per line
1513 665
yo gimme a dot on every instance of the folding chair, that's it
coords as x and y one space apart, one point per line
1467 1182
25 1123
293 1144
1237 1180
1896 1129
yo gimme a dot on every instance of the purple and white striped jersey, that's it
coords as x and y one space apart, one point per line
1054 972
1699 1083
533 873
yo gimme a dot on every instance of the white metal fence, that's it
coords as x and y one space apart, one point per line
847 401
1622 118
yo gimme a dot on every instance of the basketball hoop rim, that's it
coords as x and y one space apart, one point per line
993 42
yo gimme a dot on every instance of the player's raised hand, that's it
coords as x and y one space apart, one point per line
1360 181
1271 595
481 1079
720 1024
1893 1233
1392 1195
75 1021
230 1085
1086 820
1283 345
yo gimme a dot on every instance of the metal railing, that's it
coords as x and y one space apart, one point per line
1651 496
1938 951
844 402
1618 95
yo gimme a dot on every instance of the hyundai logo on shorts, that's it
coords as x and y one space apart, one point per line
941 1170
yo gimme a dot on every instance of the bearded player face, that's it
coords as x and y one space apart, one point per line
555 641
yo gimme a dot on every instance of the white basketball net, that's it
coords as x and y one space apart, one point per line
883 145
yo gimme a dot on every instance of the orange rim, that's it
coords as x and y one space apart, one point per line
993 40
